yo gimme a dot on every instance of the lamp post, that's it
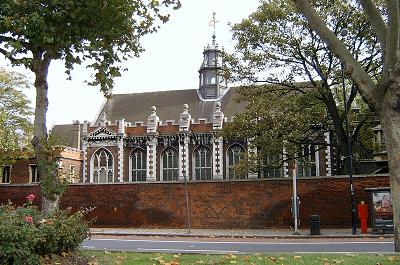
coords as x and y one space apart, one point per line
343 33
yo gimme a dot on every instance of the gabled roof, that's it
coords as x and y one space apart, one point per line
136 106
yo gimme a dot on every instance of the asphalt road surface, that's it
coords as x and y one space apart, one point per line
222 246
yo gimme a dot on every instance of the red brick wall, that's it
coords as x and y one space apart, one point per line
225 204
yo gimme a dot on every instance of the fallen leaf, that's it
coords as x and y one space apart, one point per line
297 257
272 259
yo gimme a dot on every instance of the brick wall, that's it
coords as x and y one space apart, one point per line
225 204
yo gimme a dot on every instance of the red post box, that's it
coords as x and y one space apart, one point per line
363 215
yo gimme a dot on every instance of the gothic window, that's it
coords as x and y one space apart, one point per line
169 164
272 167
235 153
138 165
102 165
33 174
6 174
202 163
307 164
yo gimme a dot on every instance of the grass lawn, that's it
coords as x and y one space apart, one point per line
105 257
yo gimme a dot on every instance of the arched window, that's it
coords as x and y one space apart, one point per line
202 163
138 165
102 165
169 164
235 153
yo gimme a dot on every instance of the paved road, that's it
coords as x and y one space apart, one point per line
226 246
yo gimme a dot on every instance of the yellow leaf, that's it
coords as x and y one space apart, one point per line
297 257
64 254
272 259
233 261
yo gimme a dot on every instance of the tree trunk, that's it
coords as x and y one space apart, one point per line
41 65
390 119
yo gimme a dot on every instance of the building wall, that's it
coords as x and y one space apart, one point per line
223 204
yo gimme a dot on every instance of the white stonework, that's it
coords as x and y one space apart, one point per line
218 163
84 150
121 126
218 117
285 164
184 119
152 121
317 162
252 151
84 168
151 166
183 158
328 154
121 160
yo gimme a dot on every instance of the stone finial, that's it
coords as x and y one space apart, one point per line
103 119
218 117
152 121
85 127
121 126
184 119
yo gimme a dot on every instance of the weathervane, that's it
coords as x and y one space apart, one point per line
212 24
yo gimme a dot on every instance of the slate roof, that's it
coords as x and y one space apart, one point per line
66 135
135 107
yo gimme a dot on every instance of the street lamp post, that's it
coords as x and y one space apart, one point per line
343 33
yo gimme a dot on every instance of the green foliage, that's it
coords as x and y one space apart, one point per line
27 234
274 116
275 46
15 117
51 183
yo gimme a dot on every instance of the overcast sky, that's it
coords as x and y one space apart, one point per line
171 60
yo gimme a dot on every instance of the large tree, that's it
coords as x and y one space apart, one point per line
15 116
383 94
104 32
275 46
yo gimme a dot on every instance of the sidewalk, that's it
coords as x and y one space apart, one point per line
234 233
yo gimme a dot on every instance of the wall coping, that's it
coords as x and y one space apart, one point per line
204 181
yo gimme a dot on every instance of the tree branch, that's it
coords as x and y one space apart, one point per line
376 20
365 85
392 42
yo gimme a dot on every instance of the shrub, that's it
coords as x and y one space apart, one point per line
26 234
